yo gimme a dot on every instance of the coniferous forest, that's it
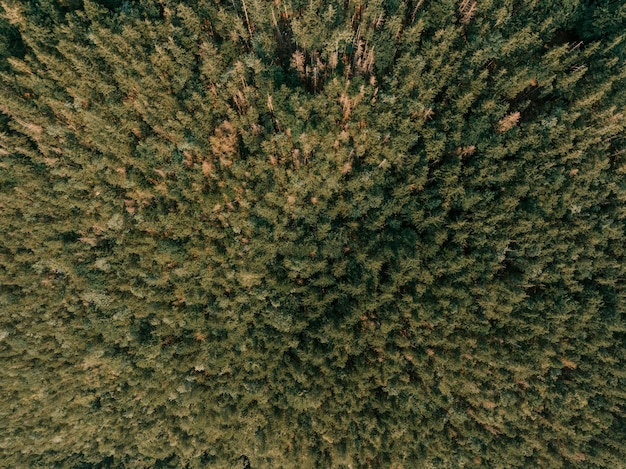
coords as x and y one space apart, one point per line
358 234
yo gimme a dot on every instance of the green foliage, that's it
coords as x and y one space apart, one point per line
319 234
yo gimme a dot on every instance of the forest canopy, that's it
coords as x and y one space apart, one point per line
312 234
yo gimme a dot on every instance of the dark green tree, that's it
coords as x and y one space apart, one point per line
316 234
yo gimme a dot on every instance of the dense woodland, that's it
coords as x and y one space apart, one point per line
319 234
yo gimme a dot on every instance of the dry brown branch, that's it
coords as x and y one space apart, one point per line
508 122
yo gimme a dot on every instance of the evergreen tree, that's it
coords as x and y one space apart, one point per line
312 234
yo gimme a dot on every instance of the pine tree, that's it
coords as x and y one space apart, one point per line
314 234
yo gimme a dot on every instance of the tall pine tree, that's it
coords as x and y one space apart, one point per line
316 234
